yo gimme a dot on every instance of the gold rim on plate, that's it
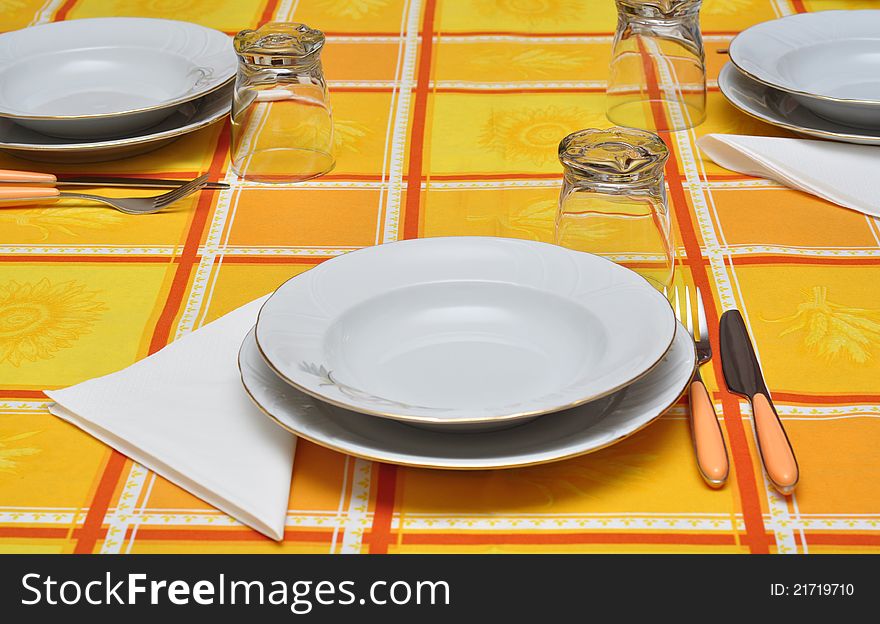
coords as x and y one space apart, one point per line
794 128
169 104
791 91
155 21
433 420
121 142
828 98
412 464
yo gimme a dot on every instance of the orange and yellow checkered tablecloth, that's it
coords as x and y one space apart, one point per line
85 291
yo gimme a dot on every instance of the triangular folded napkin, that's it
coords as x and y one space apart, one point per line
843 173
182 412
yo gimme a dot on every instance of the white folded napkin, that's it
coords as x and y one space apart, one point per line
182 412
843 173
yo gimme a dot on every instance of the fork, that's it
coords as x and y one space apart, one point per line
128 205
712 459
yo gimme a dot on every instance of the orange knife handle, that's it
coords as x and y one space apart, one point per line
10 176
708 440
776 451
26 193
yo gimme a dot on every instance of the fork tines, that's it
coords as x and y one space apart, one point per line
181 191
685 310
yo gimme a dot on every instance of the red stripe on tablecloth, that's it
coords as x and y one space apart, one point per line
342 177
467 177
792 259
152 533
417 136
380 532
146 533
93 526
247 259
268 12
22 394
521 90
569 538
35 532
756 534
183 534
78 258
789 259
356 89
513 33
733 423
731 177
188 255
798 5
375 33
826 399
372 177
379 537
843 539
61 14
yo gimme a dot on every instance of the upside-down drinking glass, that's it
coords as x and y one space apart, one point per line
282 126
613 200
657 77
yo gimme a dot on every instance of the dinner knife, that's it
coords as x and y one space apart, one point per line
743 376
31 178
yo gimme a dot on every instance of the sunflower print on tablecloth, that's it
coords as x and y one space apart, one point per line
39 319
532 133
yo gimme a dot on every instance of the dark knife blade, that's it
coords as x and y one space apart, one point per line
742 372
118 181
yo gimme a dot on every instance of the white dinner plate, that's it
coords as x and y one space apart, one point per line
829 61
458 330
109 76
569 433
192 116
781 109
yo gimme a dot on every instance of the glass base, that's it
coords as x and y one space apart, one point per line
656 114
283 165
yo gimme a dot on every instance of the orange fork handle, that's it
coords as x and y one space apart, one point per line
708 440
10 176
13 193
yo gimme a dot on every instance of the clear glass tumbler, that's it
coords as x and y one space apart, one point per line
282 124
613 200
657 78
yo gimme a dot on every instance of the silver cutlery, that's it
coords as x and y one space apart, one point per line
128 205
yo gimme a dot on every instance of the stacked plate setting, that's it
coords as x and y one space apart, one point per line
817 74
104 88
467 353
